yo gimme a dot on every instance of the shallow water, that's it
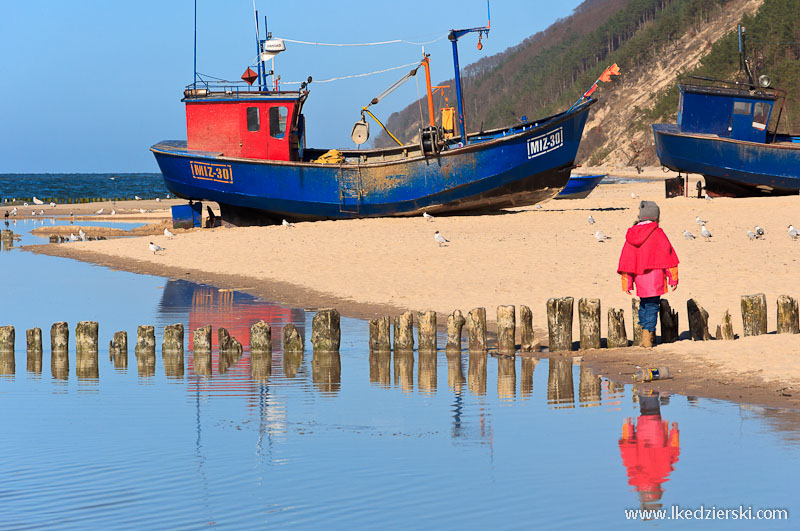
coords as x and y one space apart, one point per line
355 440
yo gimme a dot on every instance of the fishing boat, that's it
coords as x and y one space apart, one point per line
580 186
246 150
724 132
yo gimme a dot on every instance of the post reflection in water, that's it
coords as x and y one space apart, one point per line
326 371
506 377
34 361
455 372
648 449
527 366
291 363
589 388
426 379
404 369
146 362
173 364
560 390
476 373
59 364
380 367
260 365
7 363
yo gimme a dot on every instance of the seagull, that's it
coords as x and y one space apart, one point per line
700 221
688 235
634 196
793 232
441 240
33 213
52 204
708 197
41 212
137 197
141 211
752 235
167 233
7 214
14 211
113 212
158 199
287 224
167 196
37 201
759 232
427 216
99 211
155 248
538 207
591 220
70 213
72 237
599 236
25 204
81 234
705 233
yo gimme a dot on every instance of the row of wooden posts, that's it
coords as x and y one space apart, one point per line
560 322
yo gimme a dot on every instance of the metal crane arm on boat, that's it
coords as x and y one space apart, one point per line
364 109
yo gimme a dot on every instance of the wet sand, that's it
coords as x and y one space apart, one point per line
371 267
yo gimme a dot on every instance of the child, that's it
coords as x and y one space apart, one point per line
649 261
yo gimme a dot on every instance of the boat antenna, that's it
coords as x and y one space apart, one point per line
194 85
743 56
453 37
258 47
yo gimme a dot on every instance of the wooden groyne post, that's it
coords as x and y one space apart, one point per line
7 344
86 349
260 350
476 328
201 351
589 323
725 329
118 349
506 329
404 331
698 321
526 338
617 335
172 346
145 350
326 333
380 334
559 323
292 350
787 315
669 322
455 326
59 350
426 331
637 326
754 314
34 349
230 350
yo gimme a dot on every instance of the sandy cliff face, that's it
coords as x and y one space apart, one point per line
616 133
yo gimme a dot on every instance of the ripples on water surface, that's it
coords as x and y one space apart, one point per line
422 441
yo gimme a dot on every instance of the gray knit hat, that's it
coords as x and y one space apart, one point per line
649 211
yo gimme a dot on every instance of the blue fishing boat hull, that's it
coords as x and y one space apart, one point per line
580 186
516 167
730 167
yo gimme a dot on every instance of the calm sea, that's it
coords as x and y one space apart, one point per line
63 186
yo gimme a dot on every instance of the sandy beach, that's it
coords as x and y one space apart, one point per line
371 267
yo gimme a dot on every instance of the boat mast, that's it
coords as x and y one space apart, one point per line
258 47
454 36
194 85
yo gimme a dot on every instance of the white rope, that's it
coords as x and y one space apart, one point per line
366 43
355 75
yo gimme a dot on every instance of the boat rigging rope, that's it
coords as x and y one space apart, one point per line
352 76
396 41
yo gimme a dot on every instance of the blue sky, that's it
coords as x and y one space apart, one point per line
90 85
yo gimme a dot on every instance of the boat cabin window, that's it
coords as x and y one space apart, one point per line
253 121
741 107
761 115
277 121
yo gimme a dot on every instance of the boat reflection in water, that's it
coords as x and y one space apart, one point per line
649 448
200 305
